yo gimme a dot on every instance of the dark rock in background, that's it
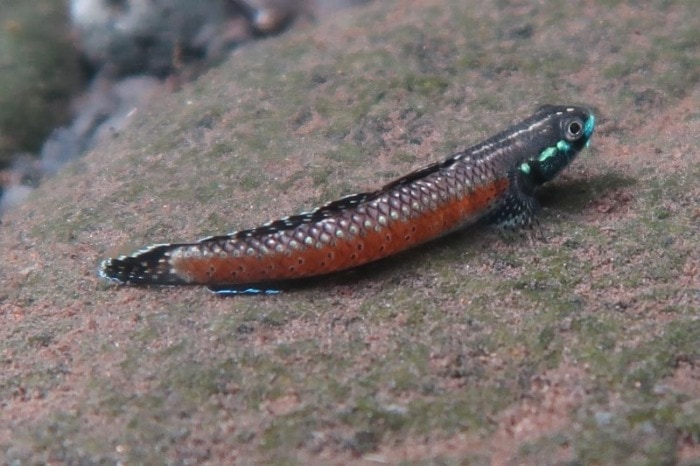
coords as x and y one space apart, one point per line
159 36
127 48
39 73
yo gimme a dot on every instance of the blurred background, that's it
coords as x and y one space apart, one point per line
72 72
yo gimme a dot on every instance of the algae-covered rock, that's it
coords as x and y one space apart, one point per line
38 72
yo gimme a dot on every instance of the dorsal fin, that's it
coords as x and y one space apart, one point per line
332 208
293 221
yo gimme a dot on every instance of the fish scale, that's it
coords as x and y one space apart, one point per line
495 179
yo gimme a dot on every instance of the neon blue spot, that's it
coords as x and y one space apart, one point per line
547 153
589 126
525 168
563 146
244 291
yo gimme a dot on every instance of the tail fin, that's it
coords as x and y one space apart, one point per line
149 266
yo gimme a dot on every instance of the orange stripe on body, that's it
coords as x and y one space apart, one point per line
341 254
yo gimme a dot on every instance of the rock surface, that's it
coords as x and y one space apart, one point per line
583 349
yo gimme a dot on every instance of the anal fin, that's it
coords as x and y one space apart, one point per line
232 290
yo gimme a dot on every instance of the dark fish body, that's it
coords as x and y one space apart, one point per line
494 179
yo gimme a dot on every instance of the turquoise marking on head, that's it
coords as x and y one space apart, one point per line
570 131
547 154
563 146
554 159
589 126
588 129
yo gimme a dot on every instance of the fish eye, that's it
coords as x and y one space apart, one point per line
573 129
